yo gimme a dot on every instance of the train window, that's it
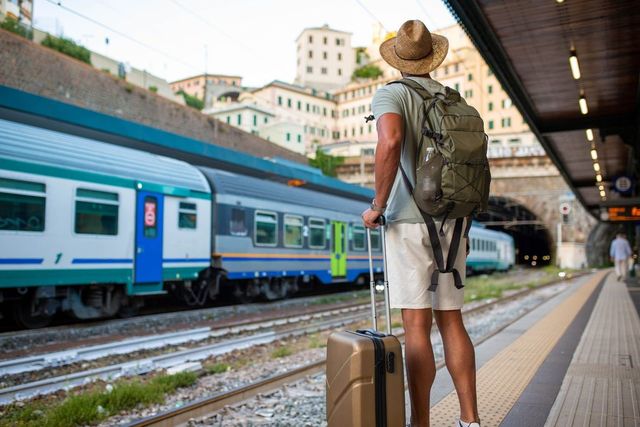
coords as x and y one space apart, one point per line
238 223
266 231
97 212
187 215
359 242
317 239
293 231
22 205
375 239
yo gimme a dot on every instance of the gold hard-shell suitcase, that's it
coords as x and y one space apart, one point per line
365 374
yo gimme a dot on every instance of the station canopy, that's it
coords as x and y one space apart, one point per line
585 116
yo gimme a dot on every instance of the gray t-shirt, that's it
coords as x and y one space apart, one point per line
399 99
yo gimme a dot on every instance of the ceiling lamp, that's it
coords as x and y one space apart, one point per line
573 63
559 1
594 154
596 167
589 134
599 177
602 193
583 104
601 187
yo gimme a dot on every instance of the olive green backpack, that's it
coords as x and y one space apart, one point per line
452 170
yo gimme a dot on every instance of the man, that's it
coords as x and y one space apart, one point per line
620 252
416 52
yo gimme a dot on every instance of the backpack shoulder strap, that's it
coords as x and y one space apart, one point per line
417 87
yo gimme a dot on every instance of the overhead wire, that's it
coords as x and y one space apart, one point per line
375 18
121 34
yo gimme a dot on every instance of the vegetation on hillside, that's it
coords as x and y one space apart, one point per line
368 71
15 27
326 163
191 101
68 47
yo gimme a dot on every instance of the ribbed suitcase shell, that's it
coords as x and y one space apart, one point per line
350 381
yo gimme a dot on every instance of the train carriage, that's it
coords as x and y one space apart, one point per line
269 237
85 225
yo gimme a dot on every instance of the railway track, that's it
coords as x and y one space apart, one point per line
208 405
338 317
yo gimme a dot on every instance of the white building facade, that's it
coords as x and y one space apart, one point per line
325 58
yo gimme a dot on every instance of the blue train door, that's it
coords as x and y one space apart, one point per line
148 250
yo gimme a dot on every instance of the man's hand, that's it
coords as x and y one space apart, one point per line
370 218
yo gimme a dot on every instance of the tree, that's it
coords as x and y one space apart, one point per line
326 163
368 71
15 27
68 47
191 101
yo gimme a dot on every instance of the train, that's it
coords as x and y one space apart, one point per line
91 229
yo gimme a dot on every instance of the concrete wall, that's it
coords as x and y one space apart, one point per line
35 69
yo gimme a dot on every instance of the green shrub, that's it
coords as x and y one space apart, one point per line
368 71
191 101
68 47
15 27
153 89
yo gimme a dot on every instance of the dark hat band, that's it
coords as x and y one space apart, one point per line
411 59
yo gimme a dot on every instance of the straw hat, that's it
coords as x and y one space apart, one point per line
415 50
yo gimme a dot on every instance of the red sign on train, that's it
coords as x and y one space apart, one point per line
149 214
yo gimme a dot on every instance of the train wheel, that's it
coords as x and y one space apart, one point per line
30 313
275 289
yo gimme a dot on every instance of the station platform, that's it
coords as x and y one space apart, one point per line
572 361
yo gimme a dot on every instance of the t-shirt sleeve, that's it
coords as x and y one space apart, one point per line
386 100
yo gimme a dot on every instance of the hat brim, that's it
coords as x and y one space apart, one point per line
419 66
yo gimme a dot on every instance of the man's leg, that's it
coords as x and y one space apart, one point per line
460 358
619 268
421 367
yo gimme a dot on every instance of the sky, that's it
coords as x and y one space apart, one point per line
255 39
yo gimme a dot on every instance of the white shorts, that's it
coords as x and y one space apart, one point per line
410 263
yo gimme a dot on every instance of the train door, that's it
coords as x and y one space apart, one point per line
148 249
338 253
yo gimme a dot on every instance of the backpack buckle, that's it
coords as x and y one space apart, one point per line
432 134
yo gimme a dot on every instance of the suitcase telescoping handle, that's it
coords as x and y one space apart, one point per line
372 283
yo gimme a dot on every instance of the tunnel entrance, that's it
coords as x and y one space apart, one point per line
533 242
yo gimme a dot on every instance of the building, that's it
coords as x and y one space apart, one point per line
197 85
301 118
20 10
325 58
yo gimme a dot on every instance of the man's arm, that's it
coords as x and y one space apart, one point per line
390 136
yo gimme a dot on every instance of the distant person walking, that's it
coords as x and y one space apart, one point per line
399 110
620 252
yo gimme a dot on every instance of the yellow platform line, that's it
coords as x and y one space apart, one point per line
501 380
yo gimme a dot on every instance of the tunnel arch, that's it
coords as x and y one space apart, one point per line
532 239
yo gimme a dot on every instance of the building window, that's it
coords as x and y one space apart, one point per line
317 238
446 70
22 206
324 40
506 122
490 106
299 105
469 77
238 223
239 119
468 93
97 213
514 141
359 242
289 102
288 137
455 67
495 141
187 215
266 120
368 151
324 111
299 138
489 72
279 100
255 120
339 57
310 70
370 128
323 70
490 88
324 55
506 103
310 54
361 130
266 228
339 71
228 120
293 231
490 124
310 39
457 87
